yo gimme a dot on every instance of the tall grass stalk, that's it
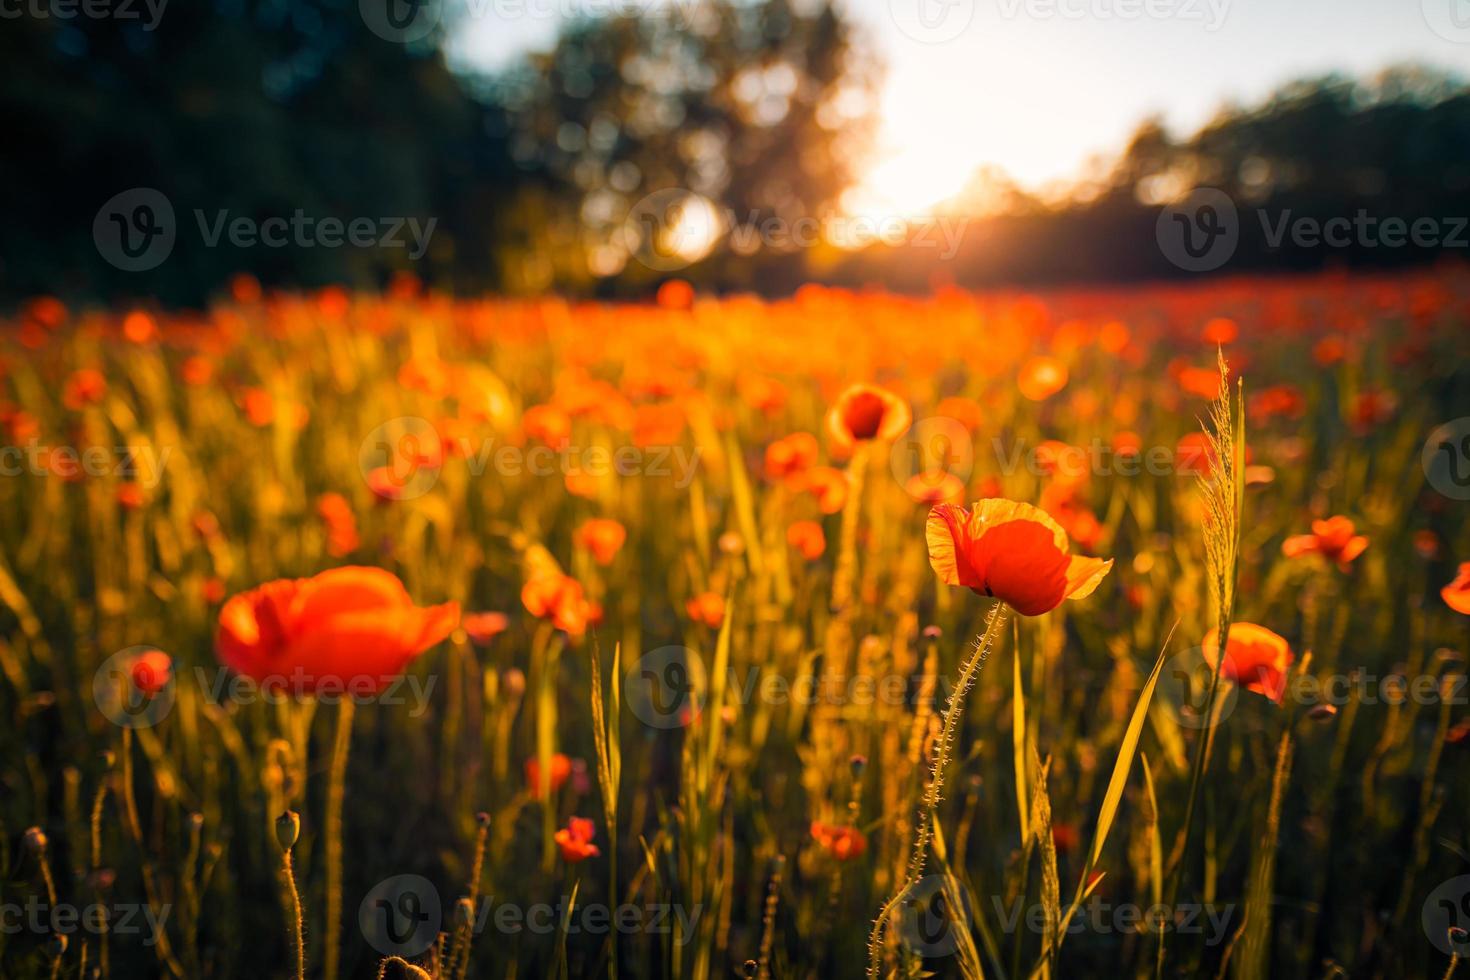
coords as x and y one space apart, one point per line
953 714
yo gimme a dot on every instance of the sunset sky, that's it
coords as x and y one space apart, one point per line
1036 87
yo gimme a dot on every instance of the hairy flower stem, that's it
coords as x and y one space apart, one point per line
336 788
953 715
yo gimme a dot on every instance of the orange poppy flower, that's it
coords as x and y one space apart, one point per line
547 423
791 456
560 770
352 624
828 485
130 496
482 627
1041 377
707 608
559 598
1220 331
843 843
1012 551
965 411
1333 539
935 487
149 671
807 538
575 840
1456 595
197 371
602 536
866 412
336 514
139 328
84 387
1255 658
676 294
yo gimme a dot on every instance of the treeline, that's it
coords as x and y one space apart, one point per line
307 143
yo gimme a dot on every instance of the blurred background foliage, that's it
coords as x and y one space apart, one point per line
762 107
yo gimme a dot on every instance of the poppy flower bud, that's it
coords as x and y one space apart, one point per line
932 632
288 828
482 818
36 840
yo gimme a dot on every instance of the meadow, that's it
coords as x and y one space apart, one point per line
848 634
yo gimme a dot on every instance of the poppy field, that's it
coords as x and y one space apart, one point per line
847 634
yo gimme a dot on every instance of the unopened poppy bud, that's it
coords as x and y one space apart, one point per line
482 818
196 820
932 632
36 841
288 828
858 764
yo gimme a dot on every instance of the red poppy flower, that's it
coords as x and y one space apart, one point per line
560 769
482 627
1333 539
559 598
791 456
843 843
1041 377
575 840
149 671
807 538
352 624
1012 551
935 487
1255 658
828 485
1456 595
84 387
602 536
863 413
707 608
547 423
